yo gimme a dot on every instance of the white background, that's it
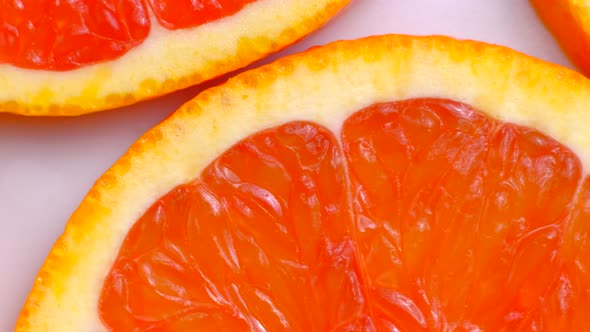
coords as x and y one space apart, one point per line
48 165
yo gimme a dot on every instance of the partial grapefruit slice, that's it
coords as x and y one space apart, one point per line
391 183
569 21
69 58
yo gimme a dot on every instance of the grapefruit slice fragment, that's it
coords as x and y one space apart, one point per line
569 21
394 182
62 35
84 56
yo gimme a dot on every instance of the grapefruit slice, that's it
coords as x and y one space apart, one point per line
569 21
70 58
392 183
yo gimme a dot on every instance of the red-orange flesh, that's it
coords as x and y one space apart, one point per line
64 35
426 214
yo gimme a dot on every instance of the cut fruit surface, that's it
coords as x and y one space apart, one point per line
388 183
454 221
69 58
263 239
174 14
569 21
61 35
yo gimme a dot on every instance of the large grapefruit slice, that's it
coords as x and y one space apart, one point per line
569 21
392 183
74 57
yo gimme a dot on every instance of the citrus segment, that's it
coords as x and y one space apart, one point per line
460 217
262 239
174 14
455 221
62 35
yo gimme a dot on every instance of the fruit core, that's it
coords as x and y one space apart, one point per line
423 214
65 35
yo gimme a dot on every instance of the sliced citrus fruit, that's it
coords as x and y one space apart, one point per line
74 57
569 21
393 183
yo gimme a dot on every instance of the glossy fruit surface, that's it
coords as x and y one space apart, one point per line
429 216
64 35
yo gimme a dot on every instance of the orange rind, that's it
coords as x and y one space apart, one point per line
569 21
